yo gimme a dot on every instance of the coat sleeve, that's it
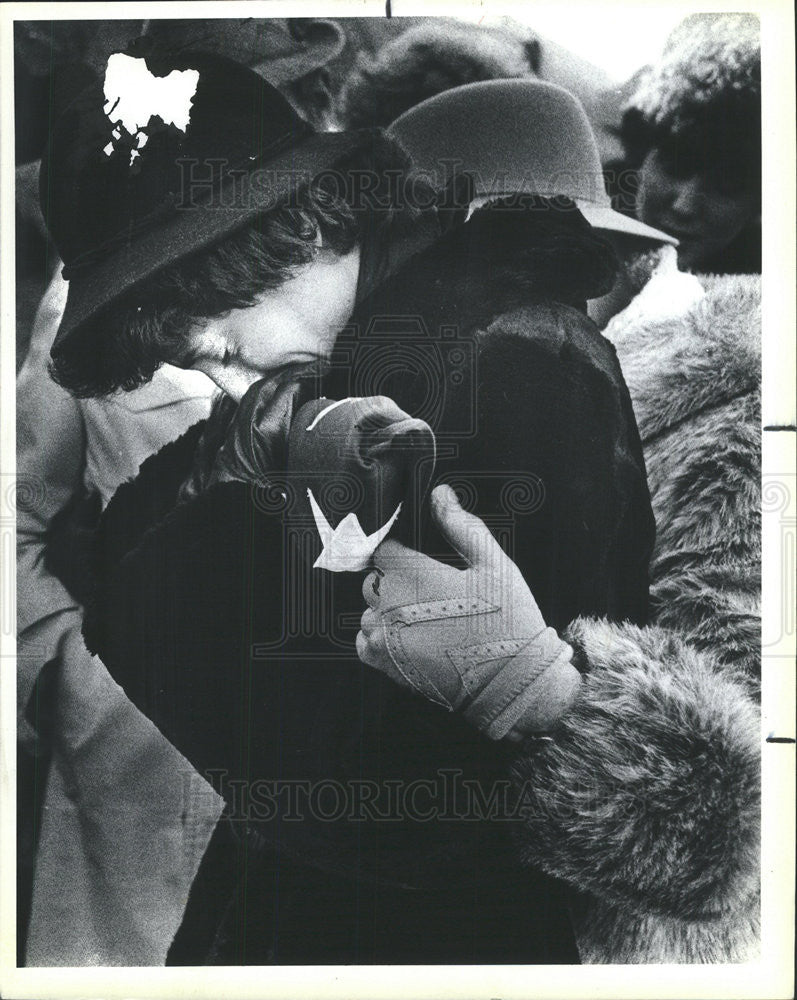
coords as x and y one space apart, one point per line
184 593
50 456
706 573
647 794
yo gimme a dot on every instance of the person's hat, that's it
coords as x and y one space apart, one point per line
167 155
708 60
514 137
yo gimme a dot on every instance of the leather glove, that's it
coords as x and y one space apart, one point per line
471 640
245 442
358 466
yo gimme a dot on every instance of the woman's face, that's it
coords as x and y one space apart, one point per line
703 218
290 326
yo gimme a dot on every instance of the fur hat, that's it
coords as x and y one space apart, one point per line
427 59
708 58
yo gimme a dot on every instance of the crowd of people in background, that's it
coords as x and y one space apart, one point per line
680 142
664 257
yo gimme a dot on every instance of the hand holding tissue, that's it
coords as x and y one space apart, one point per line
359 467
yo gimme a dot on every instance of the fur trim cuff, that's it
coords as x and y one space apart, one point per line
648 796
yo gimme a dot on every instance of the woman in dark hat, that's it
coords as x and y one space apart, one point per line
199 609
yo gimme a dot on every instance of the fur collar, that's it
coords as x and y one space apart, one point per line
678 366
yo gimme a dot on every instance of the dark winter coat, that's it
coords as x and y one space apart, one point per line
196 615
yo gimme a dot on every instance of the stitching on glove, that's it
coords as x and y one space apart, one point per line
403 663
466 659
520 672
432 611
516 678
538 654
502 724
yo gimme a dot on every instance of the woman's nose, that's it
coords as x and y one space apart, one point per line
232 382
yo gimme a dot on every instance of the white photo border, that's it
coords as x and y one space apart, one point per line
772 976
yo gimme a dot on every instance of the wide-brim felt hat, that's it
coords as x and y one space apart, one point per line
515 137
142 174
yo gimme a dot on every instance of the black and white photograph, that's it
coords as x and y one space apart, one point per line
383 500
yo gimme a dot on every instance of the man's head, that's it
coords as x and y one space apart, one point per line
526 141
693 131
296 55
202 222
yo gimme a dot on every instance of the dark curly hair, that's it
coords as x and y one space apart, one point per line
371 197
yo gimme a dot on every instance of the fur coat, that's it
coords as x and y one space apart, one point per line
647 800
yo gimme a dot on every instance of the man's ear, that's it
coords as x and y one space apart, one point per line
302 75
312 97
318 42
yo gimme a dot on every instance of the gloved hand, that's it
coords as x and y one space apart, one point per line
359 466
471 640
244 443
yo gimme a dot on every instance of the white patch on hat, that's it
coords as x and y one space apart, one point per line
134 96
